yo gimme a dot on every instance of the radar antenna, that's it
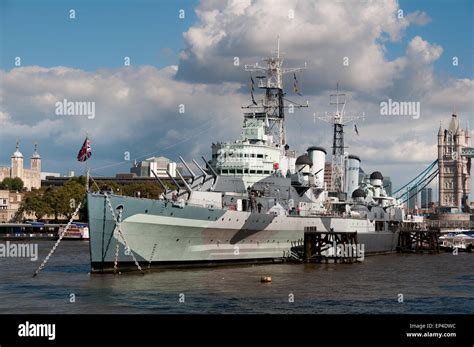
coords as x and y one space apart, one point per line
338 119
271 80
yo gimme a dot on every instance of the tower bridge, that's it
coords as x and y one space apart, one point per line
453 169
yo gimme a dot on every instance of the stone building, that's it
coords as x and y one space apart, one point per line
454 169
9 204
31 177
157 164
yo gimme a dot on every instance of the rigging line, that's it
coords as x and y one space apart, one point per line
165 148
296 104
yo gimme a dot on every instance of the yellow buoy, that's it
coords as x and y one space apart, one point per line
266 279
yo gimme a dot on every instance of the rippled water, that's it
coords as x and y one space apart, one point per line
435 284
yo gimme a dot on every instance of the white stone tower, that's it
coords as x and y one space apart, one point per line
17 162
36 160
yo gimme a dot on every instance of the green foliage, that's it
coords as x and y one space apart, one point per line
61 202
14 184
55 201
34 202
147 190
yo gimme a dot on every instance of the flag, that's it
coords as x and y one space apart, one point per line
252 86
295 85
85 151
356 130
253 99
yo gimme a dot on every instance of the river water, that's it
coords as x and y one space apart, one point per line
396 283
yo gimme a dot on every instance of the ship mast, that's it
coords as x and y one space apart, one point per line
271 80
338 119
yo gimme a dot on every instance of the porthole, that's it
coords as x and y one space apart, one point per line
177 240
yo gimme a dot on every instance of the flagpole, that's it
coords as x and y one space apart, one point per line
87 167
87 176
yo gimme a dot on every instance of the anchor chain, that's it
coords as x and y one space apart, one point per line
117 227
117 245
151 257
43 264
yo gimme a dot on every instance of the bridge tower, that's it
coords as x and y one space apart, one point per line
454 165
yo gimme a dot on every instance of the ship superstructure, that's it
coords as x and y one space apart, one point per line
262 149
251 202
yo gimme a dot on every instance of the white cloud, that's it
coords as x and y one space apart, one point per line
322 33
137 107
419 18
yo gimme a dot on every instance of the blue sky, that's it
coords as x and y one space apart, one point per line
451 27
151 33
41 33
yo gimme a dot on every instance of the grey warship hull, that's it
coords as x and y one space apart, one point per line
161 234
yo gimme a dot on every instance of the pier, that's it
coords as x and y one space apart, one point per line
446 226
419 238
332 246
27 231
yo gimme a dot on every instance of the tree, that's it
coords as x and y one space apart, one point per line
71 194
35 203
15 184
53 198
147 190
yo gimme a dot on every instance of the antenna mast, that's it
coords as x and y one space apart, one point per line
272 104
338 119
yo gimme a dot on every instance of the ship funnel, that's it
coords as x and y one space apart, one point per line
318 157
351 181
376 180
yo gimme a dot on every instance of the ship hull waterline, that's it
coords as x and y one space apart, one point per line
162 235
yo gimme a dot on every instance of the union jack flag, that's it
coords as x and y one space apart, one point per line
85 151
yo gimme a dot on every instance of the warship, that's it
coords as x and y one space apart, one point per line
250 203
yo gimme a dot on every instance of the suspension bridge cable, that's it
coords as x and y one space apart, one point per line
423 172
429 179
420 182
